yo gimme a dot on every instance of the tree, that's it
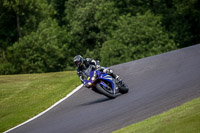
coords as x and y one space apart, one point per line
136 37
42 51
186 22
59 6
89 23
18 19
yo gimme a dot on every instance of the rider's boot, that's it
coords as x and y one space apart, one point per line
118 79
110 72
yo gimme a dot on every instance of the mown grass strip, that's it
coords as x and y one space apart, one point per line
24 96
182 119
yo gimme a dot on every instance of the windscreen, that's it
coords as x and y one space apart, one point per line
86 73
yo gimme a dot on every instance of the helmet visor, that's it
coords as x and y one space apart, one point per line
77 63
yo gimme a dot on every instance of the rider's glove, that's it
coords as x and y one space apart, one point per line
98 66
85 85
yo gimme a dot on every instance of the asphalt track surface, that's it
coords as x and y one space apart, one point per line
156 83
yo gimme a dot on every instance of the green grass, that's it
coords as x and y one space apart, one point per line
24 96
182 119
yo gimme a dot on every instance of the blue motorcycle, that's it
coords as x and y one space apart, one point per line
104 84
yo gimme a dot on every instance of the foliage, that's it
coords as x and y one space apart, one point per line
18 19
59 13
42 51
113 31
21 17
136 37
6 68
89 22
186 23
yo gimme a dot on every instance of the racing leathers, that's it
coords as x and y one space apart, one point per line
95 65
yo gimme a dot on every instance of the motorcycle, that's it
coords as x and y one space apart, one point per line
104 84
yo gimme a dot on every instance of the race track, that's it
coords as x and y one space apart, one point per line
156 83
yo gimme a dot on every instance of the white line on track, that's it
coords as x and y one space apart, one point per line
75 90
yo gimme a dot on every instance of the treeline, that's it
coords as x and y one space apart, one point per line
45 35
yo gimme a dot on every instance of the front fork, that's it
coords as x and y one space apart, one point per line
115 88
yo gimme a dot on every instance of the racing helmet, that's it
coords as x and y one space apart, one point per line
78 60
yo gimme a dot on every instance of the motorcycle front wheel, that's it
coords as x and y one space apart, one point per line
105 91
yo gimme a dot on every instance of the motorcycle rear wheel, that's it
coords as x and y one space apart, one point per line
123 88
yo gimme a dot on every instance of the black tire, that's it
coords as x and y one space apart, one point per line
102 90
123 88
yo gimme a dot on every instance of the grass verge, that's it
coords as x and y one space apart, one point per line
182 119
24 96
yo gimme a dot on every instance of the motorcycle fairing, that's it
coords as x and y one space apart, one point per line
103 77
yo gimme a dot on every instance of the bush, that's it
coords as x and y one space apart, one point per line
42 51
7 68
136 37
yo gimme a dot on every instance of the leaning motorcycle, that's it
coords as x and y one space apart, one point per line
104 84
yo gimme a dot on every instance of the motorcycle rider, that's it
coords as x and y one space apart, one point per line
83 64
